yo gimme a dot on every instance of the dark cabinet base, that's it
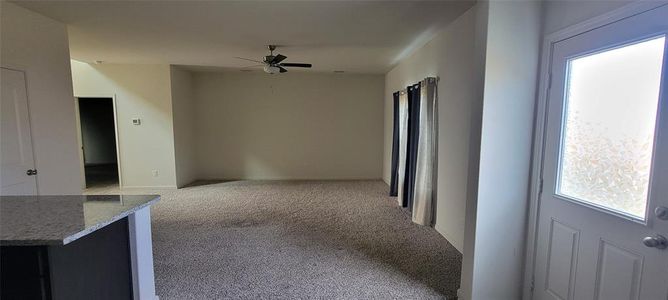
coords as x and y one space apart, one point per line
24 272
96 266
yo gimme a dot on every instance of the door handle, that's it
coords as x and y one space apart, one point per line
658 241
31 172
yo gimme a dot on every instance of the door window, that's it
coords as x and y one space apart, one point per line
611 102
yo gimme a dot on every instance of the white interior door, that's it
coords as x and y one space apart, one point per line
16 157
605 174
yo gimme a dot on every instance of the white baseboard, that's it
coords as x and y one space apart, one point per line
149 187
449 238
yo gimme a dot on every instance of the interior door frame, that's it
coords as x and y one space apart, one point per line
80 141
536 180
30 130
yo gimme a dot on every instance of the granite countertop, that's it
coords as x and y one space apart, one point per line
60 220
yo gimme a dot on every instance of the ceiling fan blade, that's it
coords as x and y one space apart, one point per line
248 59
296 65
278 58
283 70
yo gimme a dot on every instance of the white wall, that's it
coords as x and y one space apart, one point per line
142 91
561 14
289 126
183 107
38 45
450 56
466 286
511 68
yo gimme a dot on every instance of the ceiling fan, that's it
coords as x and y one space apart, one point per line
273 63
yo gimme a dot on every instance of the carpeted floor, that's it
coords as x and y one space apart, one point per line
296 240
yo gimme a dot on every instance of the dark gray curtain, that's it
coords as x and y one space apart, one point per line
412 144
395 148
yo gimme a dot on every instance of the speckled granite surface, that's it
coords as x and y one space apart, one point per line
59 220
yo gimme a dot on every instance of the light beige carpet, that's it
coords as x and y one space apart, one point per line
296 240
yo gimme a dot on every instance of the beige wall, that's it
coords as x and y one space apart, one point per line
38 46
183 106
450 56
141 91
289 126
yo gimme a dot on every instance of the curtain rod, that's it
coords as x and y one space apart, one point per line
403 91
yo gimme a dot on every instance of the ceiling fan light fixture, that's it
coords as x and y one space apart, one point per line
271 69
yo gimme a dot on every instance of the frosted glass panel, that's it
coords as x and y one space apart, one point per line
608 137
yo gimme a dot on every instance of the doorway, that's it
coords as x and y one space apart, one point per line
98 141
603 214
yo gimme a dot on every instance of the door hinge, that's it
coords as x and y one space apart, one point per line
540 186
531 287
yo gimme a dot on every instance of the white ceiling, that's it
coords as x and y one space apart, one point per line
354 36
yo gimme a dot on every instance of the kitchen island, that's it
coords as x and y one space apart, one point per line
76 247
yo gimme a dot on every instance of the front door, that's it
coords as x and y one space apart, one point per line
603 215
17 165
